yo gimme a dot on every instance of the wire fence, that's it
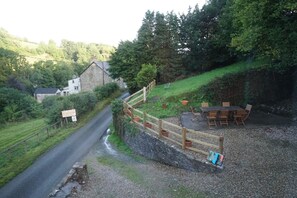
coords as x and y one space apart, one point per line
18 150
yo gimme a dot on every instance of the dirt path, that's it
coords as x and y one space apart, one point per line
260 162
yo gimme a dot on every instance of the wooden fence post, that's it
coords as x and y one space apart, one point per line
144 94
184 137
144 119
124 107
132 114
221 144
160 127
25 146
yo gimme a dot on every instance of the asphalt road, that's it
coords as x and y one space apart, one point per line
43 176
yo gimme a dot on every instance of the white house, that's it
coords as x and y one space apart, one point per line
73 87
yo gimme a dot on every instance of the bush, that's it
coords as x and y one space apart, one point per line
146 75
16 105
117 114
106 90
82 102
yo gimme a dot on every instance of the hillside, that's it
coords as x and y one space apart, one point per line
66 51
182 87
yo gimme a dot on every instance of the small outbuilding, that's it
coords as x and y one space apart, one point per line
41 93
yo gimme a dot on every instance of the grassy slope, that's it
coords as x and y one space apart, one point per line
179 90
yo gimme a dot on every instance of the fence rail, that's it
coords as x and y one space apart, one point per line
20 148
196 141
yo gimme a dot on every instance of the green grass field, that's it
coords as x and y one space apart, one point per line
178 90
13 133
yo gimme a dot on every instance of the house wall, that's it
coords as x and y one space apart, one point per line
40 97
93 77
74 86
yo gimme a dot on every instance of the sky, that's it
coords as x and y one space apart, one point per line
90 21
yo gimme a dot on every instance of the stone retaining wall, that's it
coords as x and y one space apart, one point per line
153 148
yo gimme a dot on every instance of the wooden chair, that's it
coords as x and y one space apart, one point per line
211 118
226 104
223 117
248 109
240 116
195 113
204 104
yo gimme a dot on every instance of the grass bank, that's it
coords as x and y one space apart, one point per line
184 89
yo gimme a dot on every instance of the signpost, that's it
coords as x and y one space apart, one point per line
69 113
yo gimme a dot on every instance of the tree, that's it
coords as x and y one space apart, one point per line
16 105
145 39
200 35
69 49
146 75
158 44
166 41
124 64
13 69
266 28
43 74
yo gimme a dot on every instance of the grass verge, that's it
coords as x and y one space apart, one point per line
122 168
122 147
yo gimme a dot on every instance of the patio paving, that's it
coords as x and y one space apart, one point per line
256 118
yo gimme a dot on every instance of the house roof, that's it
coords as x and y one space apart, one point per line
104 65
46 91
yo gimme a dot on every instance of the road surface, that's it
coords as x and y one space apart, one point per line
43 176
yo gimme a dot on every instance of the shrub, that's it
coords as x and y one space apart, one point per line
106 90
146 75
16 105
82 102
117 114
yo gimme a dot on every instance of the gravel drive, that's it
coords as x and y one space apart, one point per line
260 161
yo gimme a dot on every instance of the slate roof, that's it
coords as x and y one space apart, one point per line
46 91
104 65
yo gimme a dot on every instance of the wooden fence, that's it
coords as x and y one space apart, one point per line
196 141
12 153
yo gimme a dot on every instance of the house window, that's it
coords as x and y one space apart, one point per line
73 81
76 87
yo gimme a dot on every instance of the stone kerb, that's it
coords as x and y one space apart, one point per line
72 182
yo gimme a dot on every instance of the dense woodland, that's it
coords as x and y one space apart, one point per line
222 32
168 47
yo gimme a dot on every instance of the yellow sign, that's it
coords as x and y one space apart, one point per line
68 113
